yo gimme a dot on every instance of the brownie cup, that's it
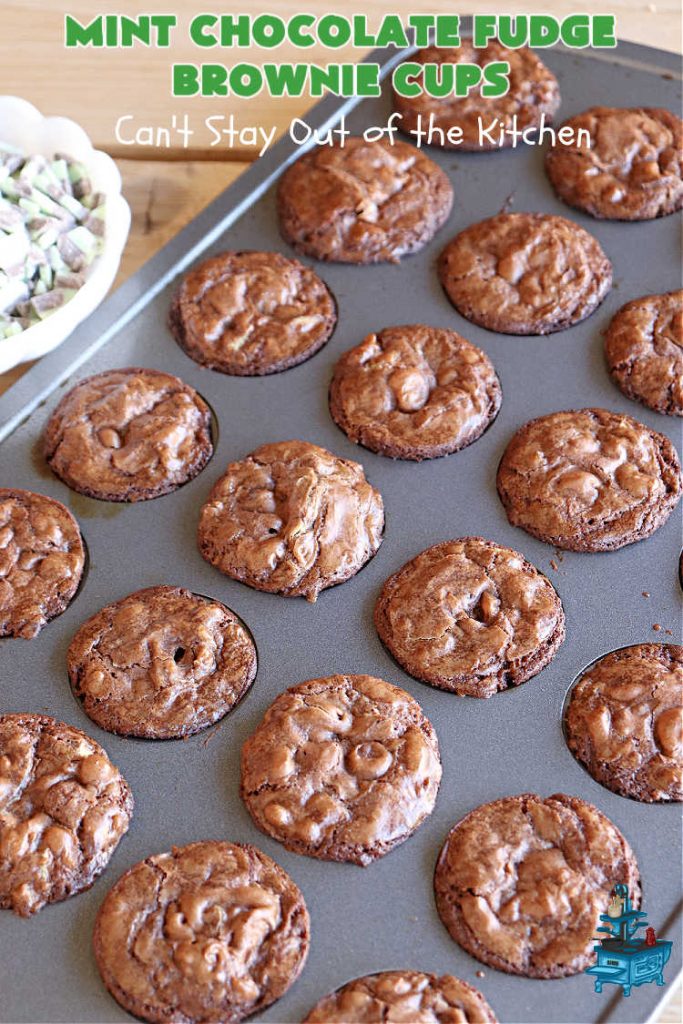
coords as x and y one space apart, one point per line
41 561
213 931
414 392
161 663
252 313
623 721
471 617
403 996
363 202
291 518
521 882
525 273
589 480
342 768
128 435
63 809
630 171
644 351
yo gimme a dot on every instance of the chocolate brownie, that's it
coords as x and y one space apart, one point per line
403 996
521 882
342 768
161 663
644 350
363 202
589 479
623 721
128 435
632 169
471 617
63 809
525 273
41 561
414 392
252 313
291 518
533 92
212 931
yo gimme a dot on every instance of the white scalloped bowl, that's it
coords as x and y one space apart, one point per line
23 126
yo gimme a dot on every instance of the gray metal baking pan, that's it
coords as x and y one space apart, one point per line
383 916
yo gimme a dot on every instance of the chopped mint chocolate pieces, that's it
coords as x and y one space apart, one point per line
51 229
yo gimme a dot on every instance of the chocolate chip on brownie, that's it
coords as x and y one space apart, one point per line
363 202
471 617
414 392
533 92
630 171
623 721
291 518
342 768
128 435
403 996
41 561
644 350
63 809
161 663
252 313
213 931
521 882
589 479
525 273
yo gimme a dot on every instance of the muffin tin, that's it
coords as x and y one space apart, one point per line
383 916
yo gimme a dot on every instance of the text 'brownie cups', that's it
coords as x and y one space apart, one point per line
252 313
63 809
342 768
624 718
644 351
161 663
414 392
521 882
525 273
128 435
630 171
41 561
471 617
533 92
292 519
589 479
212 931
395 996
363 202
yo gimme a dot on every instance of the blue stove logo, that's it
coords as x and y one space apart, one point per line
621 958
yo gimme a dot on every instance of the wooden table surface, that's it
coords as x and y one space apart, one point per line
166 190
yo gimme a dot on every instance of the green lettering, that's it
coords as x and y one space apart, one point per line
604 30
447 30
268 30
543 30
422 24
296 24
334 30
198 25
185 80
575 31
403 79
76 34
496 79
285 79
245 80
